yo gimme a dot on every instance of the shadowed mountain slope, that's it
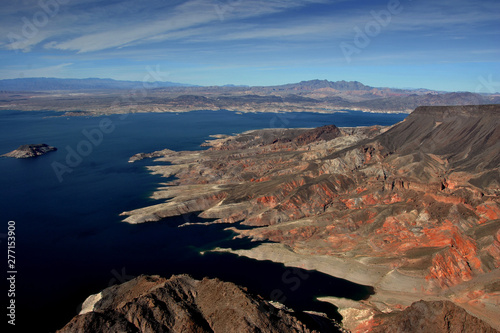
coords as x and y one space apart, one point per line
468 136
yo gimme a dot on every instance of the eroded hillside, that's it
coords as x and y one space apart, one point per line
413 210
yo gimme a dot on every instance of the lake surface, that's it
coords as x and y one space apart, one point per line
70 241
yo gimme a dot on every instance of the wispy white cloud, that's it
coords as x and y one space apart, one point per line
184 20
93 25
103 36
429 18
459 15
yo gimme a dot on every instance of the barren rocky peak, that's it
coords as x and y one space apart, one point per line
181 304
323 133
467 136
275 138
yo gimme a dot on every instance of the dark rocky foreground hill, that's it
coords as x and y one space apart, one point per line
151 304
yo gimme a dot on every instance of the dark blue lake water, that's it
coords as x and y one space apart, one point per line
70 241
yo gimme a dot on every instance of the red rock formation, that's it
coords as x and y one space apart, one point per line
494 249
420 198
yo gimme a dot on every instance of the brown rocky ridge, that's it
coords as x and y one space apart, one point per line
412 210
183 304
33 150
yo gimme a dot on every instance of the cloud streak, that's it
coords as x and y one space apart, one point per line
121 24
106 35
85 28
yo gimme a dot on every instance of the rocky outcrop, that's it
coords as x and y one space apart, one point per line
417 203
141 156
181 304
436 317
33 150
323 133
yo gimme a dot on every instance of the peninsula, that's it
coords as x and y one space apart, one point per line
412 210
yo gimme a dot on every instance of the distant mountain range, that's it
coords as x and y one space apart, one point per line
49 84
106 96
321 84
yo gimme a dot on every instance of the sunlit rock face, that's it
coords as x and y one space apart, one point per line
419 200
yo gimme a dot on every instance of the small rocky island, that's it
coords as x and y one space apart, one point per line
33 150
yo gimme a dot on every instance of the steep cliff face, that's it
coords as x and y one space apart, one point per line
419 200
181 304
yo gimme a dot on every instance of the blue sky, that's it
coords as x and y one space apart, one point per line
451 45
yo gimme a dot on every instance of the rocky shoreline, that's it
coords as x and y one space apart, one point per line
412 210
